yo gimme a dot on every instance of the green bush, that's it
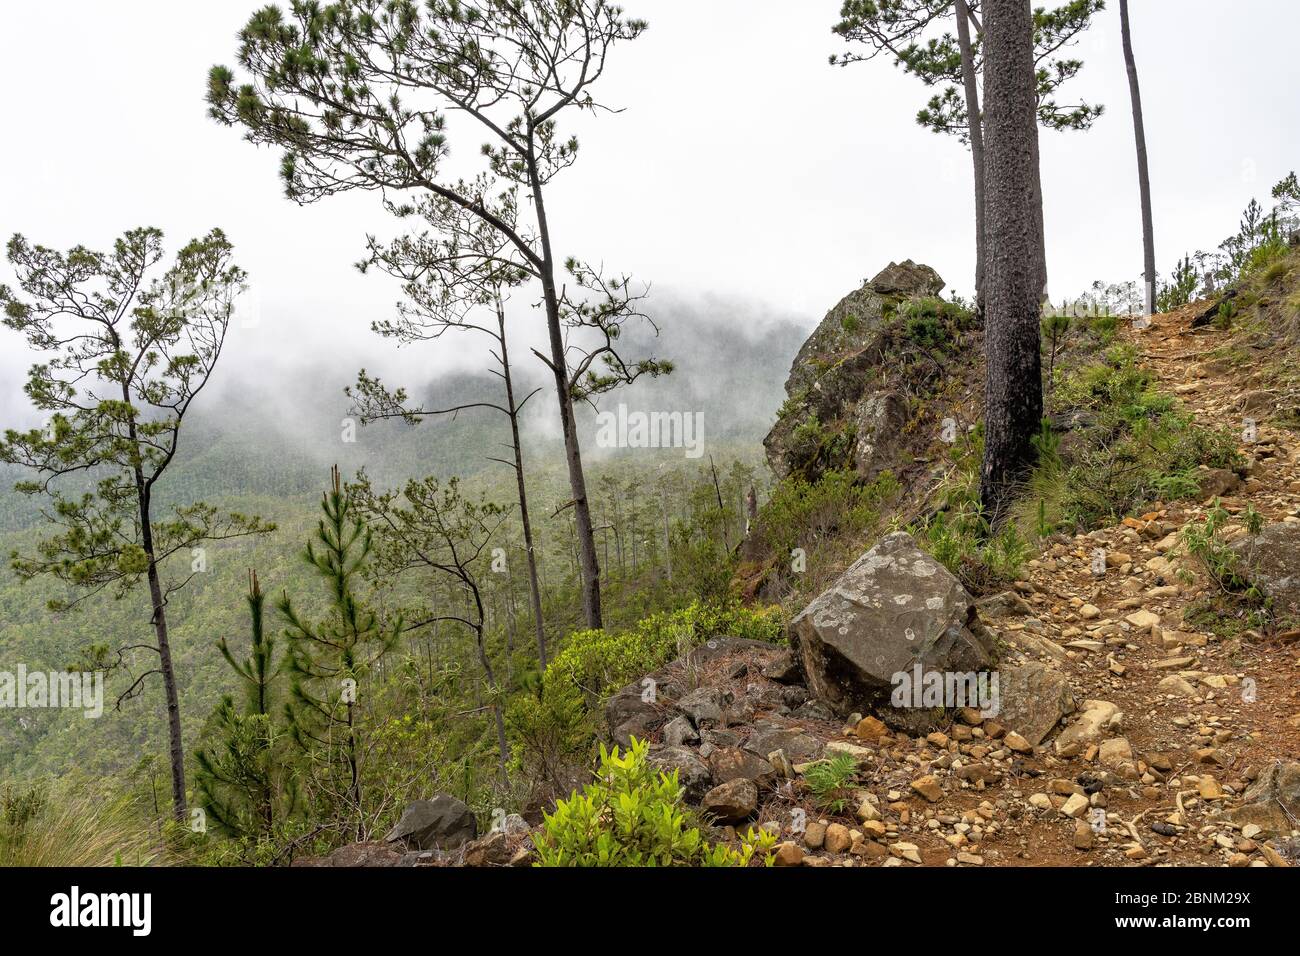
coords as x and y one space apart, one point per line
598 661
802 512
552 733
634 815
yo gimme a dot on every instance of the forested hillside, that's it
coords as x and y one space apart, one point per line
486 550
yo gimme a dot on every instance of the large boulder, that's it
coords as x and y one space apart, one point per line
896 609
733 801
1271 560
443 823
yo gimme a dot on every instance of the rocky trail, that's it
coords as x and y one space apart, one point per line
1121 735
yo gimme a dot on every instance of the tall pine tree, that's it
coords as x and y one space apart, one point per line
124 352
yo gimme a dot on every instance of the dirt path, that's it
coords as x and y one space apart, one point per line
1196 705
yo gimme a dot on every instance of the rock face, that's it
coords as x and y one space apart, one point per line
443 823
1272 560
878 426
895 608
833 408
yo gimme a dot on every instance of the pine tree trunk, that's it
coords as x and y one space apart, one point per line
588 562
175 746
976 132
1040 231
534 586
1014 384
157 601
1144 179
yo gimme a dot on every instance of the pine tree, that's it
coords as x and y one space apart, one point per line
1144 177
469 260
432 529
1013 406
914 33
358 94
124 355
244 785
331 659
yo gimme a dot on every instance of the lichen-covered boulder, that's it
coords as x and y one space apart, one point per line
894 610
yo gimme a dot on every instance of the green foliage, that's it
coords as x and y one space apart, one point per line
1178 291
960 541
1105 328
1236 603
931 322
958 535
146 345
919 35
245 781
330 659
1132 445
1258 248
815 448
552 732
69 829
831 781
634 815
1203 540
551 736
598 661
801 513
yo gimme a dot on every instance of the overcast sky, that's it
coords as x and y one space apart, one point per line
743 171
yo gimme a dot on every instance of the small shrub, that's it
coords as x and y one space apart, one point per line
1204 542
634 815
1182 284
